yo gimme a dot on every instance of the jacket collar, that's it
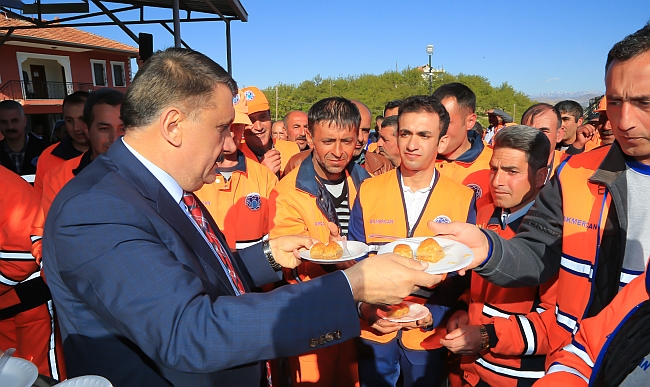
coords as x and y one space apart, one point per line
612 166
306 178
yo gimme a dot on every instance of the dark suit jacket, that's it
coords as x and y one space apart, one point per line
142 300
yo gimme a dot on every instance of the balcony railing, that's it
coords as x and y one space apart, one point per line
41 90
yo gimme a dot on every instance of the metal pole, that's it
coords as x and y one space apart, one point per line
177 23
276 103
430 76
228 47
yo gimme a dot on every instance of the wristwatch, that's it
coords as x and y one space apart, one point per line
266 247
485 343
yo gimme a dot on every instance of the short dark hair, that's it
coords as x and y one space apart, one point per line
392 105
539 108
428 104
571 108
632 45
529 140
379 117
465 97
175 76
10 104
335 110
76 98
103 96
390 122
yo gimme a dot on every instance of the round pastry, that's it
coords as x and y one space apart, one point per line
333 251
397 311
317 250
404 250
429 251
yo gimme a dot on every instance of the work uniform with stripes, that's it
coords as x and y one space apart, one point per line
26 319
301 204
516 319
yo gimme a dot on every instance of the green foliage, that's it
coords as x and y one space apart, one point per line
376 90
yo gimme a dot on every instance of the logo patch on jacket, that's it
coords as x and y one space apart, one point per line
442 219
253 201
478 191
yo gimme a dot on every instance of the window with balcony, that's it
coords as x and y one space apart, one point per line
99 72
119 78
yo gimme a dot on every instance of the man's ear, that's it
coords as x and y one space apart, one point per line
560 134
470 121
170 125
581 120
540 177
442 144
310 139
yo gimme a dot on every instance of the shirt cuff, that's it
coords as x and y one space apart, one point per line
490 247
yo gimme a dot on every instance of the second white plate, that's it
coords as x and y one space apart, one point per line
457 255
356 250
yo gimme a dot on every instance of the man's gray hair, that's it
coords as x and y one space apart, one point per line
527 139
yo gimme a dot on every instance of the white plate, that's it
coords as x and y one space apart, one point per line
356 249
457 255
416 312
18 373
86 381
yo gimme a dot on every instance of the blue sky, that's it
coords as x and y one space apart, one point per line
537 47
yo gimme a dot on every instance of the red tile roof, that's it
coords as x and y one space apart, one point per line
64 36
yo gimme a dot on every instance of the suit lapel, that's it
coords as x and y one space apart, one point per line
140 177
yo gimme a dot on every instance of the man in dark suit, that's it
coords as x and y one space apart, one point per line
147 292
18 151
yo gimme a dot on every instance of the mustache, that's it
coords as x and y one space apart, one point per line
221 157
301 138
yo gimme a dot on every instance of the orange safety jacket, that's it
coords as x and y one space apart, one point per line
608 346
240 205
293 210
519 318
377 212
53 181
286 148
585 205
53 156
471 169
21 287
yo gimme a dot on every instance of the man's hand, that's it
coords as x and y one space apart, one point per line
388 278
271 160
459 319
584 133
465 340
285 249
467 234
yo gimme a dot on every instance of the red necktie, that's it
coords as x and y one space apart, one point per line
222 255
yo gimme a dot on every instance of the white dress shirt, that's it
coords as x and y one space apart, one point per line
415 201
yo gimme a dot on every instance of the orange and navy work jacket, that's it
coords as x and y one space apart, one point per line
586 205
286 148
240 205
377 213
18 268
53 181
518 319
294 211
472 169
53 156
603 338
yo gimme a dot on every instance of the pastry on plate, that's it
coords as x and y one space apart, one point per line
404 250
317 250
429 251
333 251
397 311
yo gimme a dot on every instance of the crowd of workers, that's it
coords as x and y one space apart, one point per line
559 295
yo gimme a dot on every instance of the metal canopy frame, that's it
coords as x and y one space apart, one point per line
222 10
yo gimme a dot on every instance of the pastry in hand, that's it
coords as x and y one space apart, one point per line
429 251
397 311
317 250
404 250
333 251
